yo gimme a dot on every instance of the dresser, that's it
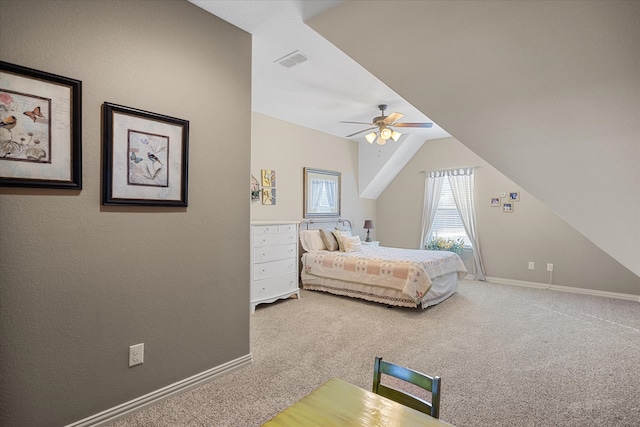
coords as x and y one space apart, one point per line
274 261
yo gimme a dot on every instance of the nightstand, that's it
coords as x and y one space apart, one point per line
373 243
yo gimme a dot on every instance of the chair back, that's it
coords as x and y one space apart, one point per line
431 384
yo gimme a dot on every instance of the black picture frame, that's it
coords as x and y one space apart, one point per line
40 129
145 158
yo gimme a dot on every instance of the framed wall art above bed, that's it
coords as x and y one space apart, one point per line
322 192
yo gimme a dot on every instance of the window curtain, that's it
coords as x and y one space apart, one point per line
432 189
462 184
330 188
316 192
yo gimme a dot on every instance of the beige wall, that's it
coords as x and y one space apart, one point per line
80 282
508 241
528 86
288 149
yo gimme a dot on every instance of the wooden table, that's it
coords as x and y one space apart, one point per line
338 403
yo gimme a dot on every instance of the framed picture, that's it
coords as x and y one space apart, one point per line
495 201
268 178
145 157
268 196
514 196
40 129
507 208
321 193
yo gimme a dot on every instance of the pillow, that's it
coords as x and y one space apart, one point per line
339 234
352 243
311 240
329 240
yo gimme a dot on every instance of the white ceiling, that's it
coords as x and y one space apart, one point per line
321 92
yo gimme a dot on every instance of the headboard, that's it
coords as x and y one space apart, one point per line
319 223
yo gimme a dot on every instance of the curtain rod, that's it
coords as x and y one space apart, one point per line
452 169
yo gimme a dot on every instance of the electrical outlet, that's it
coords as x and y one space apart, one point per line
136 354
549 267
531 265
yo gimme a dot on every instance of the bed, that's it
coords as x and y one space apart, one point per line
391 276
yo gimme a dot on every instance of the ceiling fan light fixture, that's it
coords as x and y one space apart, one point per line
381 141
370 137
385 133
396 136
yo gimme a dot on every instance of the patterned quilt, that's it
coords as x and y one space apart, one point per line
407 270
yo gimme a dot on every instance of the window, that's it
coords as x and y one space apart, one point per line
447 222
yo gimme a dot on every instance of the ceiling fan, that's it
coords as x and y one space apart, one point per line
384 125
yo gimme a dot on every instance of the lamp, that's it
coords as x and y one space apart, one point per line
383 136
368 224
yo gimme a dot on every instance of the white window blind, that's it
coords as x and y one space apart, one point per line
447 222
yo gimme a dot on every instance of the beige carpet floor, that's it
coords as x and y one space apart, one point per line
508 356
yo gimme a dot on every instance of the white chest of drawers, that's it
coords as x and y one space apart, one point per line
274 261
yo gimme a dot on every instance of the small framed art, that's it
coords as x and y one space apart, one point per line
514 196
507 207
40 129
495 201
268 178
145 158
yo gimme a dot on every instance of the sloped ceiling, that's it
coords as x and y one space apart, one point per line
546 92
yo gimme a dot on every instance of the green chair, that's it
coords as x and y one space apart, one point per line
431 384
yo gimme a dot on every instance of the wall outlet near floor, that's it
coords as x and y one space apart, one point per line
136 354
549 267
531 265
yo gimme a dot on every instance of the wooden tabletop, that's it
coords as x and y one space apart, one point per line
339 403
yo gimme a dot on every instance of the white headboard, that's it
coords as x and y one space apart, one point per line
319 223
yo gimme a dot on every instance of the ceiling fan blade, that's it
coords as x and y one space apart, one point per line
412 125
364 130
391 118
359 123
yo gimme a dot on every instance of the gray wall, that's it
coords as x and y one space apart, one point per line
508 240
82 282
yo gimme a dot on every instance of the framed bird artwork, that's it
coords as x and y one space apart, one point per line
40 129
145 158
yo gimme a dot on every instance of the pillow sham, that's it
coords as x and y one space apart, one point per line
339 234
329 240
352 243
311 240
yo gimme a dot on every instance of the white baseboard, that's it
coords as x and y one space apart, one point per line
111 415
594 292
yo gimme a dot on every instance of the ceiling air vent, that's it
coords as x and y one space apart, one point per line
291 60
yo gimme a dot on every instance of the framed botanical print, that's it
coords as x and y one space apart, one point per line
40 129
145 158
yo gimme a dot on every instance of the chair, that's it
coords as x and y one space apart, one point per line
431 384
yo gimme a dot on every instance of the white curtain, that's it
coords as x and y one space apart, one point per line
317 186
330 188
432 189
462 184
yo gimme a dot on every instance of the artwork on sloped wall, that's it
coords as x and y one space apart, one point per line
514 196
495 201
145 158
40 129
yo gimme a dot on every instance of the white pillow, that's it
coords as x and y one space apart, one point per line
352 243
311 240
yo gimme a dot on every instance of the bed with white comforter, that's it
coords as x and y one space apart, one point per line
392 276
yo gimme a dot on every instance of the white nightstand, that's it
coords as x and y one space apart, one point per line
373 243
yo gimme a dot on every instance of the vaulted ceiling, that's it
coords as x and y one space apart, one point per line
546 92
